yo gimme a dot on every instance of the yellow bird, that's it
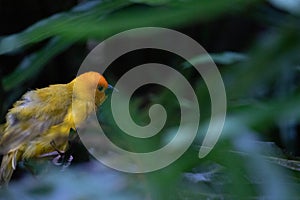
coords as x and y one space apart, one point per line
40 122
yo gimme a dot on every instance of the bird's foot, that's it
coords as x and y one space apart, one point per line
62 159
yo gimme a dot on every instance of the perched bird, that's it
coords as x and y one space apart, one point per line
40 122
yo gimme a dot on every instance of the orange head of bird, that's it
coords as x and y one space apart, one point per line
91 86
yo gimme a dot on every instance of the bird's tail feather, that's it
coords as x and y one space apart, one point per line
8 165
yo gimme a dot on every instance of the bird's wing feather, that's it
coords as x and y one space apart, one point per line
34 114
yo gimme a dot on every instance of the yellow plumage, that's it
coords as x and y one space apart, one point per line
46 115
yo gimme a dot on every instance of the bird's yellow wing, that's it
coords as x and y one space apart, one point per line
35 114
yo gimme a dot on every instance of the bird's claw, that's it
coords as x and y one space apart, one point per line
62 158
64 161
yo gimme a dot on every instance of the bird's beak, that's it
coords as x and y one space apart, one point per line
110 88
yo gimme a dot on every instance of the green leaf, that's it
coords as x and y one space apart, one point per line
32 65
96 22
225 58
59 23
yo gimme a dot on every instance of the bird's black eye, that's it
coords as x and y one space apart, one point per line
100 88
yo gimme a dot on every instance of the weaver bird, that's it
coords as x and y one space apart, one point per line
40 122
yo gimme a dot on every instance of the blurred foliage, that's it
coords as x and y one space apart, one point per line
256 46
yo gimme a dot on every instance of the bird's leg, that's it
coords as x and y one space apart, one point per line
59 159
53 144
50 154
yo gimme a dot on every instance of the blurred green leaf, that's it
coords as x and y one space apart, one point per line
274 53
32 64
89 13
96 23
152 2
90 181
225 58
292 6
